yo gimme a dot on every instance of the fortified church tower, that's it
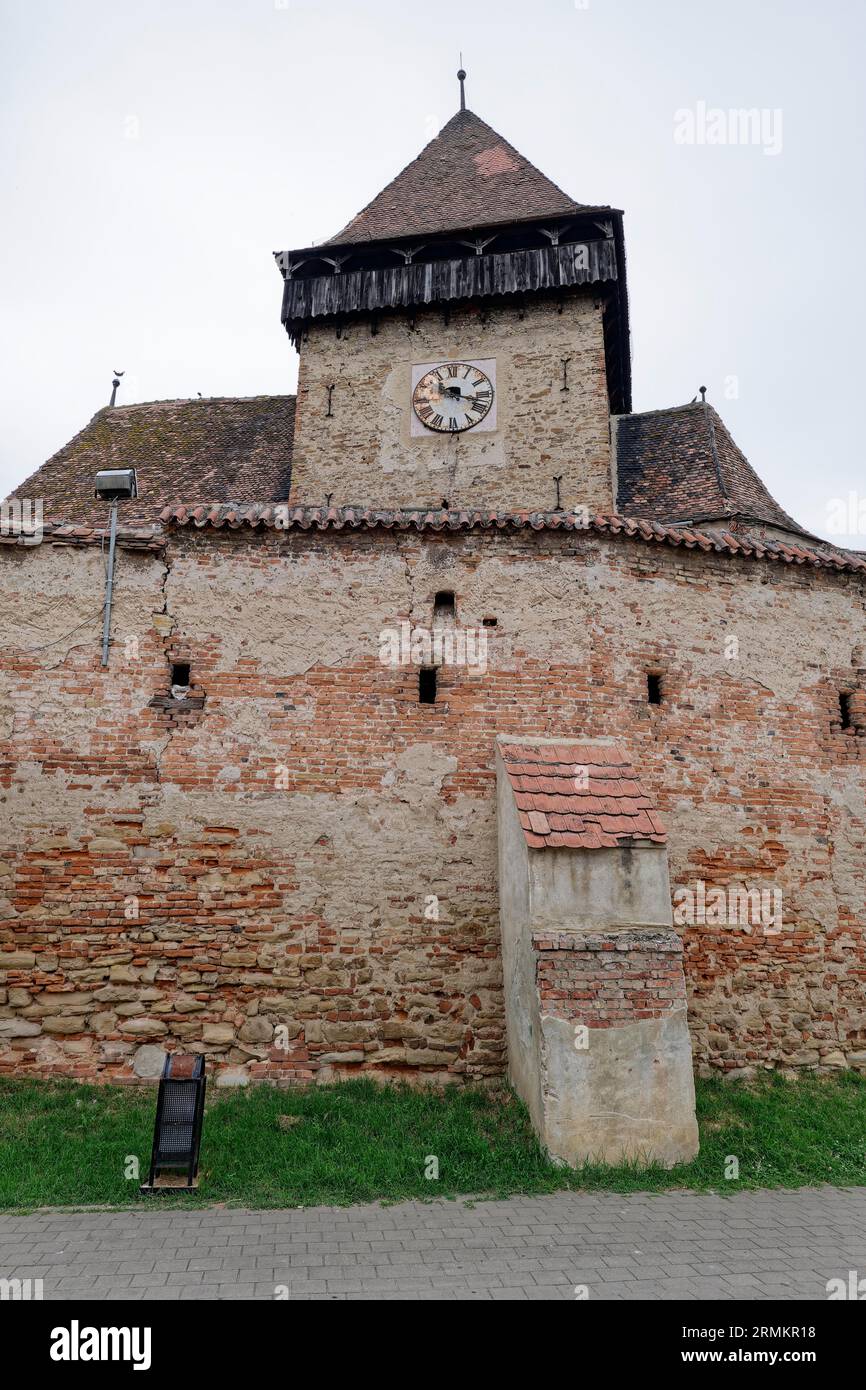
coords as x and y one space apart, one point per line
463 341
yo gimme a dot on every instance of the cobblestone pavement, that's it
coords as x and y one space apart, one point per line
667 1246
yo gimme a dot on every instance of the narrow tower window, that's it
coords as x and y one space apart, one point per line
845 708
180 673
427 685
653 688
444 605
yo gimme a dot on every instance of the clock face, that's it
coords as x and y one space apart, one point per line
452 397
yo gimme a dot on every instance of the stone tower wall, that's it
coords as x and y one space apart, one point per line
365 454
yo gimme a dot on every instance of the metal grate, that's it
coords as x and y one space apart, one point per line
179 1113
175 1135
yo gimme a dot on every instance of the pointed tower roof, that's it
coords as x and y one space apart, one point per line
468 176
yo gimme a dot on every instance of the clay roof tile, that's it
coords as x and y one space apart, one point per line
467 176
562 812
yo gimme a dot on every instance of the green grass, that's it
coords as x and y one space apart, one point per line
66 1144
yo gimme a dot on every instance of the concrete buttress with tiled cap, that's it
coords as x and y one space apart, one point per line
598 1041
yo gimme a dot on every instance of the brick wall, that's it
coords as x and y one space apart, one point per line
307 848
609 979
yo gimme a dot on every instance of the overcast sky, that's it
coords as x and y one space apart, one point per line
154 154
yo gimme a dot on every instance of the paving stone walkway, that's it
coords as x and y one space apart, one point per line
750 1245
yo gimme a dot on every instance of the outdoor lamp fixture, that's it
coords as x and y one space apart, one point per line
113 485
177 1131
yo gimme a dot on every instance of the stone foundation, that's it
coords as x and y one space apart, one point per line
616 1053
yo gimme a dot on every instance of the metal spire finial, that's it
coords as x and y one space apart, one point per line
114 385
461 78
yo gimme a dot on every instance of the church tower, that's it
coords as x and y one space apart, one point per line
463 340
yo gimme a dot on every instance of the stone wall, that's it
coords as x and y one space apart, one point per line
299 872
364 454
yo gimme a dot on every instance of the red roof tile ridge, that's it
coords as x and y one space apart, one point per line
286 516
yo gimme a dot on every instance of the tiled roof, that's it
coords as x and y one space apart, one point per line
218 515
681 465
468 176
576 795
229 448
236 450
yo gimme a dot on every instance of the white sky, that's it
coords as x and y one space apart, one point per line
154 154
